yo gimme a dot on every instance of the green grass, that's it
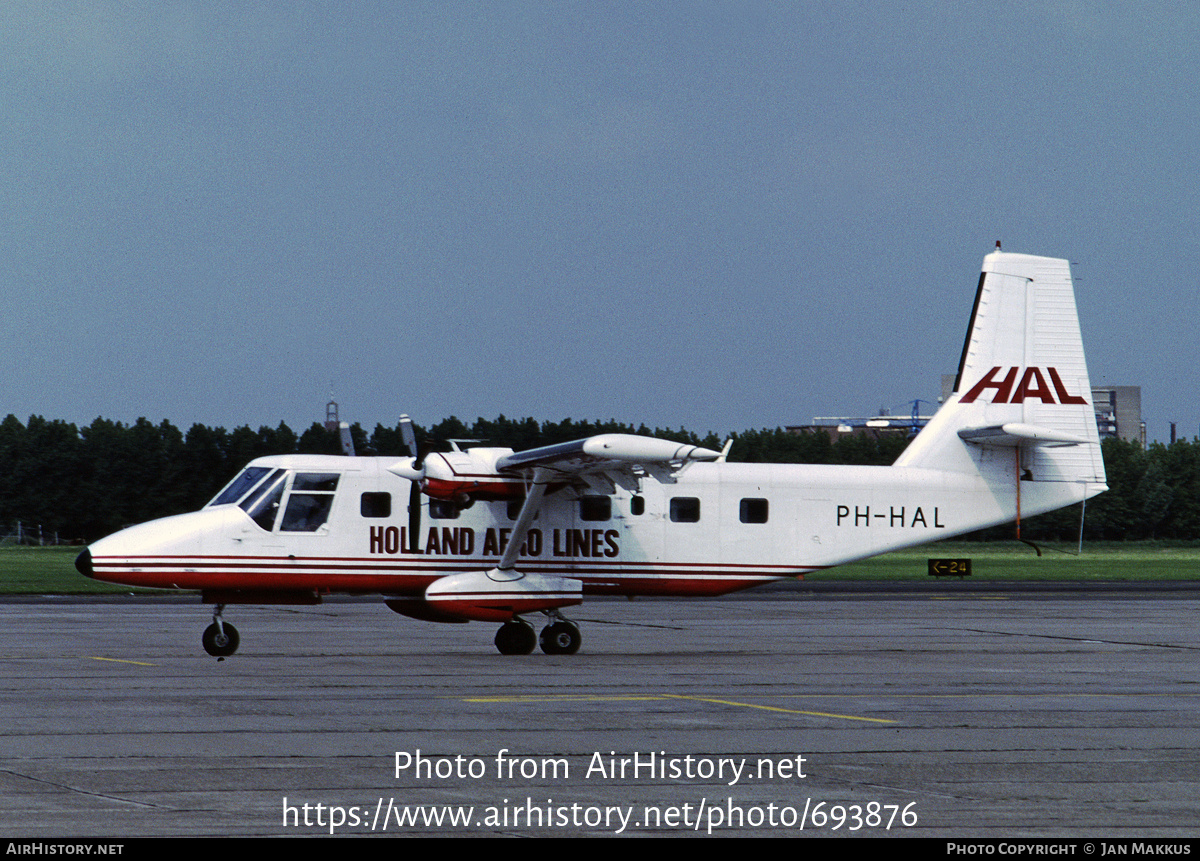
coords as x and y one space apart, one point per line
47 571
51 570
1012 560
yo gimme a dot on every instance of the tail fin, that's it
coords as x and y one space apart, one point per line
1022 385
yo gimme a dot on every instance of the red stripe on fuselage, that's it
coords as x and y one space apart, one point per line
356 575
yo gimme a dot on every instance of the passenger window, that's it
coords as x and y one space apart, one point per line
685 509
442 509
376 505
753 511
637 505
513 509
595 508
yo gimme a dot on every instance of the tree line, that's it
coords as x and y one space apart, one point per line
83 483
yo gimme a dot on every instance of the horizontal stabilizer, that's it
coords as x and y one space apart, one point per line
1015 434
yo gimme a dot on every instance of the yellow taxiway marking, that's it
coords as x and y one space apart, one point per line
118 661
594 698
776 709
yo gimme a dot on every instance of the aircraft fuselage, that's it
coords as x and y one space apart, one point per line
715 528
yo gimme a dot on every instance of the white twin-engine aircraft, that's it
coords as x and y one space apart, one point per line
492 535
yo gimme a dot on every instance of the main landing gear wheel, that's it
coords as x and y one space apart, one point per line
516 638
560 638
221 640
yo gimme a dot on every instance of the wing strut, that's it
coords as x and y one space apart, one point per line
533 503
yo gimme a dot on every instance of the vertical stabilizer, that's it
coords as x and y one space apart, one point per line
1022 401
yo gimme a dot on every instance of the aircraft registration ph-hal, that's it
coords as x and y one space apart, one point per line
493 535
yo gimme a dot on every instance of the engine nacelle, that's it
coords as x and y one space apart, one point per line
471 473
462 475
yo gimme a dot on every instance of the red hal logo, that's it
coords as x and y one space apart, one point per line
1032 386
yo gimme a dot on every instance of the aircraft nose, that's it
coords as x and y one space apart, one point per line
83 564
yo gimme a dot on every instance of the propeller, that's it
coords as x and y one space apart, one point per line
414 468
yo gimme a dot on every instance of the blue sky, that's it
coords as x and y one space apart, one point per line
712 215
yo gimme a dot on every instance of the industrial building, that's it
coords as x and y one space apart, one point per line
1118 415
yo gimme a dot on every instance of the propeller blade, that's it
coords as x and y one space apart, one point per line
412 467
409 436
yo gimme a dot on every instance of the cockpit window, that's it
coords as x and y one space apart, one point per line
323 481
310 501
240 485
263 505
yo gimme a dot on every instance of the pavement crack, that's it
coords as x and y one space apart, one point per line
78 791
1078 639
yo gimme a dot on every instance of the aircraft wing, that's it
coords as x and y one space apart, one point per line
604 452
608 457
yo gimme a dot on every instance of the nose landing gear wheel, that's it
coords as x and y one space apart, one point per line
220 643
516 638
560 638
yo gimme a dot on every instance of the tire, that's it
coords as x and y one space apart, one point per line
560 638
516 638
220 645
